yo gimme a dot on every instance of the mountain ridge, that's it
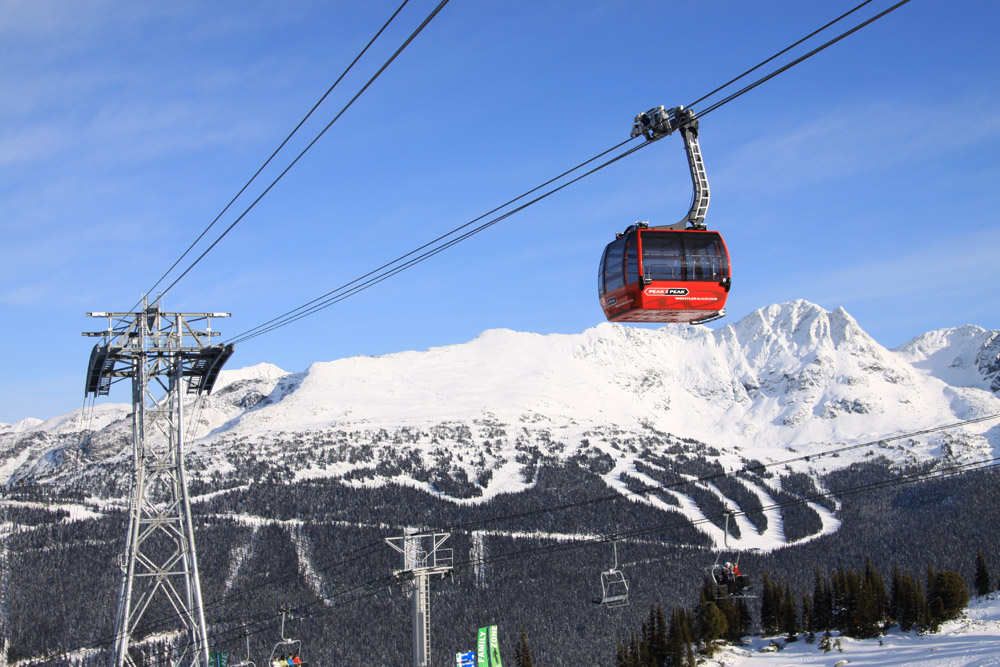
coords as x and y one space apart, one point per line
787 378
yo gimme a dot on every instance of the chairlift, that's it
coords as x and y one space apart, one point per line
246 662
614 585
730 582
285 647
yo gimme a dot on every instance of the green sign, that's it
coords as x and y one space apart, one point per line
488 647
218 659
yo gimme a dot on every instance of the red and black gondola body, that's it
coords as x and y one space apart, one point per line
664 275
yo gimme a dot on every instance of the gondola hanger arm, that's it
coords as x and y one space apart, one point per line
660 122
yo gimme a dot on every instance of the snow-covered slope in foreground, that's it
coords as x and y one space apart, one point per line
971 641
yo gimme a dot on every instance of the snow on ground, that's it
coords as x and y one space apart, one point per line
262 371
773 536
952 355
76 511
971 641
205 497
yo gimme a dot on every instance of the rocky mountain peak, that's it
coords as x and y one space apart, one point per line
788 377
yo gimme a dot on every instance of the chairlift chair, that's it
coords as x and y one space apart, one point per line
247 662
730 583
284 646
614 585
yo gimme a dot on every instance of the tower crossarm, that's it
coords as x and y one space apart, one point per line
155 337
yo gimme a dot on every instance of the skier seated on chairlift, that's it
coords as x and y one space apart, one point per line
729 575
737 580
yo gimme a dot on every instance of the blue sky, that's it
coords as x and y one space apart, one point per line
864 178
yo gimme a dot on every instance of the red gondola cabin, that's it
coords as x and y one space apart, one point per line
664 275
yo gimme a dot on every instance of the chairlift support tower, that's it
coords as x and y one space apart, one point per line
168 357
423 558
6 530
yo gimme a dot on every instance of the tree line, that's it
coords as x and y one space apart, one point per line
853 602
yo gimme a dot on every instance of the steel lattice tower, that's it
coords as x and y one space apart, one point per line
6 529
167 358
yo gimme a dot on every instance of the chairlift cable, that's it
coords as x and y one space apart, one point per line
715 476
960 469
966 468
374 547
465 527
929 475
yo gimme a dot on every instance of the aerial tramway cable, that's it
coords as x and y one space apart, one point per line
393 267
798 60
274 182
779 53
388 270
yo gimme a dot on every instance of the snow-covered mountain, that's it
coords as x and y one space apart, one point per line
966 356
473 420
482 434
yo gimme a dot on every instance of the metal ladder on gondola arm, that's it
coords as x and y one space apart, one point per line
660 122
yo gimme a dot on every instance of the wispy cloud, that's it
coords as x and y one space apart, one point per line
943 268
67 92
44 20
94 147
856 140
110 129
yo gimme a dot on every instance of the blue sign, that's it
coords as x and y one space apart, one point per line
467 659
